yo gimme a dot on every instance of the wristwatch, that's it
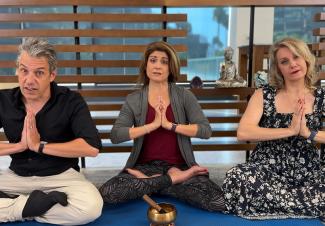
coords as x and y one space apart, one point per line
41 147
311 137
174 125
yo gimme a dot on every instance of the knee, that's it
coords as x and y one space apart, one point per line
237 170
233 174
107 193
217 203
119 189
104 190
235 178
91 209
88 209
241 172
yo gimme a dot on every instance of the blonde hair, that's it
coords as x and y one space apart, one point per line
173 61
298 48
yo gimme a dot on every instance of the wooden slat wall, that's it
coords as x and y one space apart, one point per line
160 3
98 17
239 3
105 50
76 33
319 47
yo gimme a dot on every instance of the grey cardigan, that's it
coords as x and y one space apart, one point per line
186 110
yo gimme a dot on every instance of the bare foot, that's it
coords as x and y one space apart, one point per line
136 173
179 176
139 174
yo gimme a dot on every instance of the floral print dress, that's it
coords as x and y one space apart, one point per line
283 178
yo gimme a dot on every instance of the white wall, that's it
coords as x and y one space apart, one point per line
8 85
239 27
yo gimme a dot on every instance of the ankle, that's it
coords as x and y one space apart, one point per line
38 202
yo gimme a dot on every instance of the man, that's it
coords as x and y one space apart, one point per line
48 127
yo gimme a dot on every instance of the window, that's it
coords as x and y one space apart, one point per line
205 43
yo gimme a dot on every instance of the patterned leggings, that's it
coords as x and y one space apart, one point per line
199 191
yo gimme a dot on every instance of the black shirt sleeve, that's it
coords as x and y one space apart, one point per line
82 124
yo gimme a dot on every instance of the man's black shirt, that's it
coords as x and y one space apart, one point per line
63 118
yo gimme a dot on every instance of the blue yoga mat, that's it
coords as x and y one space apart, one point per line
134 213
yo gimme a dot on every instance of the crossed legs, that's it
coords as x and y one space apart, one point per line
190 185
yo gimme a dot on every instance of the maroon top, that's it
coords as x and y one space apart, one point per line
160 144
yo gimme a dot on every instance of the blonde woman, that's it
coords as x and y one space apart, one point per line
284 176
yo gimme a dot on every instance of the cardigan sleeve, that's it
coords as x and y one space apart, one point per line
195 115
125 120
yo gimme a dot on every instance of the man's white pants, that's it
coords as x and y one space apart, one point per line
84 201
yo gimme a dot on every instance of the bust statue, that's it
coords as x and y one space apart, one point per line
228 73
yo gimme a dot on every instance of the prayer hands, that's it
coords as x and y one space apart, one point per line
161 109
298 123
30 138
157 121
164 121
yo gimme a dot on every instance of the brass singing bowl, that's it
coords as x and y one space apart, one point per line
162 218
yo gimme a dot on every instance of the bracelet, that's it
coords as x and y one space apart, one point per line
146 129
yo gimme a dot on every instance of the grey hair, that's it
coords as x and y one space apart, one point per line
38 47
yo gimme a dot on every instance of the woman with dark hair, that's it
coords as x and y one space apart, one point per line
160 118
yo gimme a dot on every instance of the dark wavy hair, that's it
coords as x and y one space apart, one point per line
173 61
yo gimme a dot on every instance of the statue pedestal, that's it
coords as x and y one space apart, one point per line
230 83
